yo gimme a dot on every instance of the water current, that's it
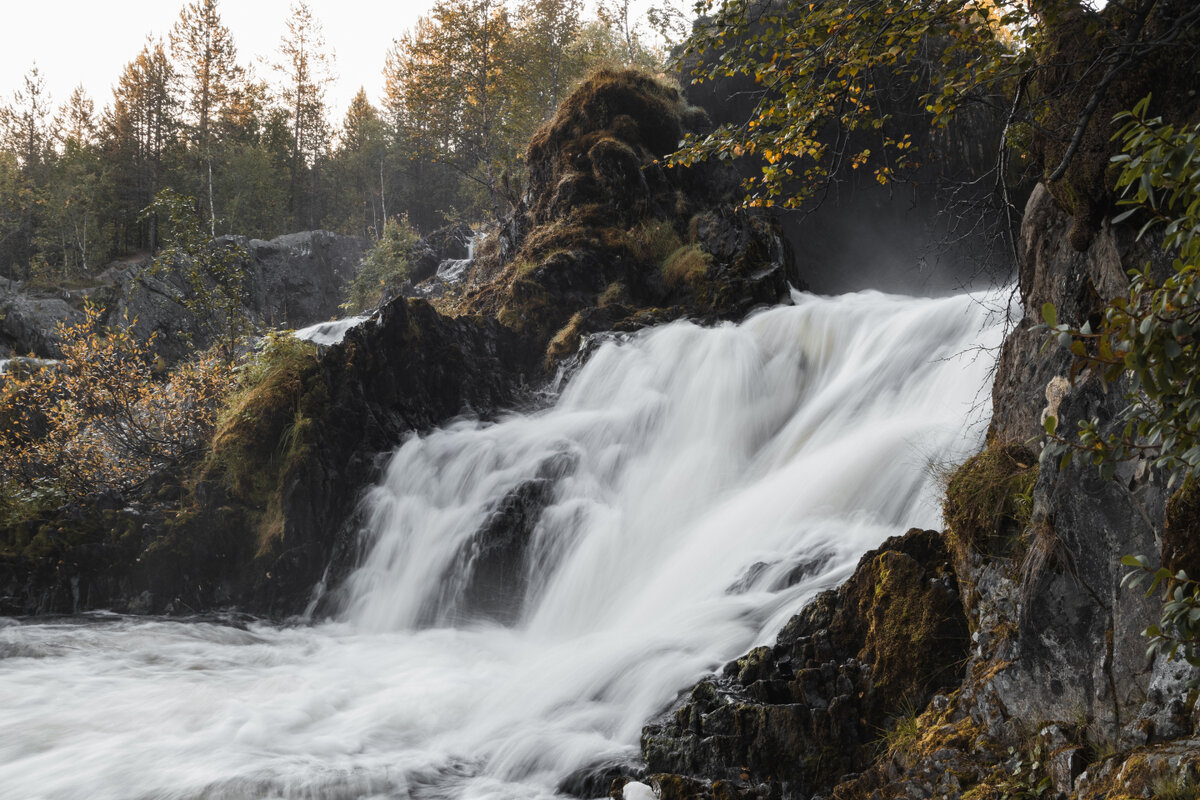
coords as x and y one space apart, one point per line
693 488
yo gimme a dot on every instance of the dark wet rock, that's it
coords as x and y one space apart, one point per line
292 281
606 234
596 780
444 244
300 278
490 572
808 710
28 319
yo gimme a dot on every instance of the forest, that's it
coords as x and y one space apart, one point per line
255 147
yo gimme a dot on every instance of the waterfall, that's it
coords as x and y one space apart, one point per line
534 588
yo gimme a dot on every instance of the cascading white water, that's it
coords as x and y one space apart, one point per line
332 332
689 490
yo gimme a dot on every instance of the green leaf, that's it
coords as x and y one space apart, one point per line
1050 314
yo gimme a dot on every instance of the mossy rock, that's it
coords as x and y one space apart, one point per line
989 500
1181 534
266 431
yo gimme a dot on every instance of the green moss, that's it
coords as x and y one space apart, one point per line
653 241
266 430
687 266
989 500
566 341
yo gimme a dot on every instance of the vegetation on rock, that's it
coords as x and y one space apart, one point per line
1148 339
384 268
989 501
265 428
101 418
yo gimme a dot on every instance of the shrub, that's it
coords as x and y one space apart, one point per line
214 272
101 418
387 265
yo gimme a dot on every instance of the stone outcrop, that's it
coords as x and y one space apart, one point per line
292 281
28 318
607 237
791 719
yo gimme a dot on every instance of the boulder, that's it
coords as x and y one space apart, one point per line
799 715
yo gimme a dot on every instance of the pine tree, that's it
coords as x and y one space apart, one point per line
26 121
206 62
24 124
359 167
138 130
305 71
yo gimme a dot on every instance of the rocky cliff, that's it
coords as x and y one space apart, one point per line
291 281
1053 695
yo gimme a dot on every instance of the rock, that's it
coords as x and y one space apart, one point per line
452 242
300 278
28 319
292 281
488 577
803 713
604 228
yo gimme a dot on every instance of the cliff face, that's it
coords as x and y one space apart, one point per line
291 281
1056 696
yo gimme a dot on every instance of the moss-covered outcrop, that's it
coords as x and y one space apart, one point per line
607 237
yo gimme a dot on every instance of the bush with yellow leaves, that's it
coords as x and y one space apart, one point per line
102 417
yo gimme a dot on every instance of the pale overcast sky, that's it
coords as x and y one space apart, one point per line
89 42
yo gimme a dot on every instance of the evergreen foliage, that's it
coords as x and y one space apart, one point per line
464 91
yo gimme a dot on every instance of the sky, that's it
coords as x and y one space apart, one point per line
90 42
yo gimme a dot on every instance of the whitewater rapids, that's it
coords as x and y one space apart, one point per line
706 482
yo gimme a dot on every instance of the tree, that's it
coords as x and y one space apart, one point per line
450 83
304 68
206 62
76 120
25 121
138 135
252 148
823 78
213 271
24 126
546 31
358 167
72 199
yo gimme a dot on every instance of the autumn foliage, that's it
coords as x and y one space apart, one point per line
101 418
